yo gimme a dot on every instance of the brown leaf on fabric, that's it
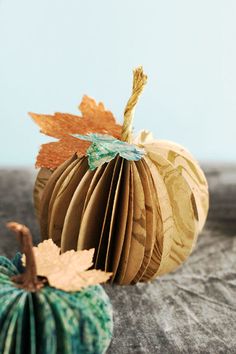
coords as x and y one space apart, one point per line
95 119
67 271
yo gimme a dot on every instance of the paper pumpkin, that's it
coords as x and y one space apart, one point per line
140 203
41 181
38 318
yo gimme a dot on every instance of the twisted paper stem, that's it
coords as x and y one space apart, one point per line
139 80
28 280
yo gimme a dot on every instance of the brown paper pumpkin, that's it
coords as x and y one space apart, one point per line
142 217
41 181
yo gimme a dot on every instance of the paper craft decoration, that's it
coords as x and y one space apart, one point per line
38 318
142 211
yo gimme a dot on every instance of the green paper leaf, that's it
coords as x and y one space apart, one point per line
105 148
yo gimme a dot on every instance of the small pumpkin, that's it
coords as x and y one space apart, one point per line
38 318
140 203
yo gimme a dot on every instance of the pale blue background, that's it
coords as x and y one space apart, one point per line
54 51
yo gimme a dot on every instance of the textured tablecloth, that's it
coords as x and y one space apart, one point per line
190 311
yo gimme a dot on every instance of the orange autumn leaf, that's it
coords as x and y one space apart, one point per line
95 119
68 271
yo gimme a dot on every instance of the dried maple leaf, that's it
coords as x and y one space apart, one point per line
95 119
67 271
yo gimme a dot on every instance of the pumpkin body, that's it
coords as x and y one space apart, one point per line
41 181
142 217
52 321
185 187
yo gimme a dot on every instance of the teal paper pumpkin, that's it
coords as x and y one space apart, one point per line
50 320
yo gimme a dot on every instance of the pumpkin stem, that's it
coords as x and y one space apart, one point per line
139 80
28 280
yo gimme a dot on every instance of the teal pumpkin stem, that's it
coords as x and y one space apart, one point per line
28 280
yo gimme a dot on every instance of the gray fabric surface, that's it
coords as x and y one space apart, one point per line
190 311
